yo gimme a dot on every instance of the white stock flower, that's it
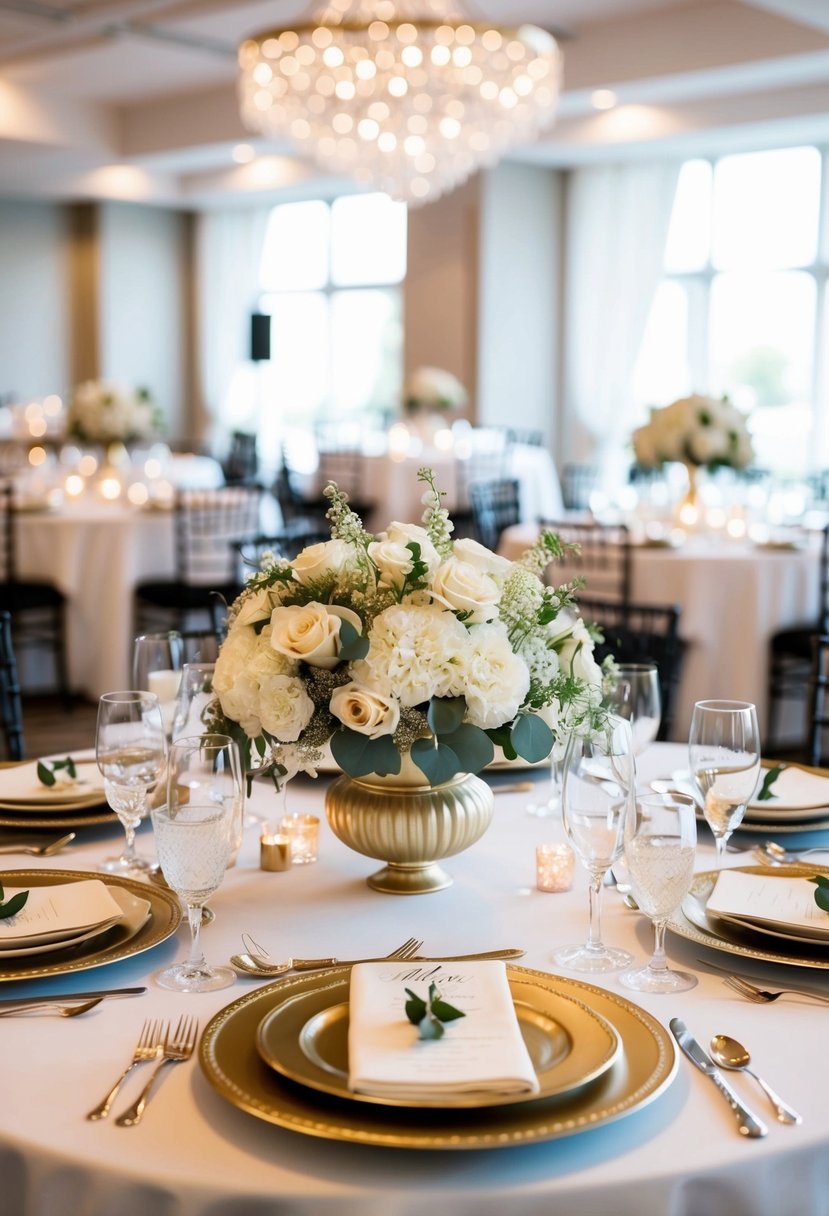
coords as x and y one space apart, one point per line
465 588
311 632
364 710
285 708
496 679
316 561
416 652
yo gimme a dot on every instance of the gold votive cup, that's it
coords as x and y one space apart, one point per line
304 834
554 865
275 852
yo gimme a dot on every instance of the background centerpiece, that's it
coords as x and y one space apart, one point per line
412 656
105 412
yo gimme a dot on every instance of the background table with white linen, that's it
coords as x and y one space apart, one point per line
196 1155
733 598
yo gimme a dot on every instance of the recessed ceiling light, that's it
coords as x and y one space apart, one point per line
603 99
243 154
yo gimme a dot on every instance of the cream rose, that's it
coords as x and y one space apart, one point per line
475 554
310 633
317 561
254 606
575 653
464 588
365 711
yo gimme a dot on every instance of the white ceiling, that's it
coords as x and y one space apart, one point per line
136 98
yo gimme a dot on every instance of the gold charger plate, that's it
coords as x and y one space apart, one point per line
114 944
746 943
306 1040
231 1062
64 819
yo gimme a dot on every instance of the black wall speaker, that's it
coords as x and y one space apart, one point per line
260 336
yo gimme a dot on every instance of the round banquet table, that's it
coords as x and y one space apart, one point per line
195 1154
733 597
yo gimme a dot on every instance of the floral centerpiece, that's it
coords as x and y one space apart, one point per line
431 390
102 411
697 431
406 644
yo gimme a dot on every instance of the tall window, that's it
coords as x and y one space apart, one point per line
742 308
331 276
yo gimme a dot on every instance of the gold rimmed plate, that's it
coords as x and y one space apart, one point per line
231 1062
306 1040
134 913
63 819
693 923
121 941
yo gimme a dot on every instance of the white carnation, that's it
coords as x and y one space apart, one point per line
285 708
415 653
496 680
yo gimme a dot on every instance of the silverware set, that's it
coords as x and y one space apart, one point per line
155 1043
251 963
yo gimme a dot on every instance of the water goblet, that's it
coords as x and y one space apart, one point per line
597 795
195 693
724 754
660 845
156 667
196 834
130 749
635 696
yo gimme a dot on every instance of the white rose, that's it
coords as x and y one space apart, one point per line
464 588
496 679
285 708
365 711
575 653
393 561
404 534
707 443
483 559
236 652
254 606
316 561
310 633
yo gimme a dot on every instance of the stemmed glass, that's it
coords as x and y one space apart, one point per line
156 667
724 753
130 748
660 844
597 795
194 694
197 834
635 696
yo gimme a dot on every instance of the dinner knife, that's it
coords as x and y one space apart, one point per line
61 998
748 1123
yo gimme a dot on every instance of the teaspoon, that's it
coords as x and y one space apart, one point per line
730 1054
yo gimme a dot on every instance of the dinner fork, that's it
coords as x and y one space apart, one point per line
178 1047
63 1011
40 850
149 1047
765 995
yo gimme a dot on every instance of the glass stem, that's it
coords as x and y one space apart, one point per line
129 850
195 958
594 932
659 961
720 843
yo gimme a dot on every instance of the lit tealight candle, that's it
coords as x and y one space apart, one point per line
303 832
274 853
554 867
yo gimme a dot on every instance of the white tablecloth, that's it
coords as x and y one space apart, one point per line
733 598
196 1155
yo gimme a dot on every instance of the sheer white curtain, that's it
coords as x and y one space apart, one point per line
617 220
229 247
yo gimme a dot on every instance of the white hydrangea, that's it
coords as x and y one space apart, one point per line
496 680
416 653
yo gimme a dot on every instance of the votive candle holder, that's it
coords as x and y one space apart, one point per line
274 852
554 865
303 832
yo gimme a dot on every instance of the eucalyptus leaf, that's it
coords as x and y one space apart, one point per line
436 761
532 738
415 1007
500 736
445 714
358 755
445 1011
430 1028
353 644
822 897
472 747
14 904
766 792
45 774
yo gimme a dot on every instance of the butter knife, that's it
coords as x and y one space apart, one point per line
747 1122
61 998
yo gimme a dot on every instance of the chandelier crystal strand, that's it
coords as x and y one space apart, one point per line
410 100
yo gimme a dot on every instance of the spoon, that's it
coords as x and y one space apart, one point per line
40 850
730 1054
773 852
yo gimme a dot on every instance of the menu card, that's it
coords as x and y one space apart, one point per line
769 901
482 1052
51 913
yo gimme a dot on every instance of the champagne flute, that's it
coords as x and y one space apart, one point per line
635 696
196 834
660 844
130 748
597 795
724 753
156 667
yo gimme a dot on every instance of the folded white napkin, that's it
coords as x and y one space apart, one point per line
54 913
482 1052
769 902
795 789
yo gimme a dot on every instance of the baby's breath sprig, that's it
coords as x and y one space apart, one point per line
436 519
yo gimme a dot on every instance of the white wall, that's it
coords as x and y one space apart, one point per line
518 297
141 304
34 299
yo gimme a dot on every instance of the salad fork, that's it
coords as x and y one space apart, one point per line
765 995
257 964
178 1047
149 1047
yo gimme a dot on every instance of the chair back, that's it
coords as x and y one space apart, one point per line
241 464
641 633
823 614
578 481
482 455
602 557
7 533
496 505
209 524
818 711
11 710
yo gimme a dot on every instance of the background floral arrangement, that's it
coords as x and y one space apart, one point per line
103 411
406 642
697 431
432 390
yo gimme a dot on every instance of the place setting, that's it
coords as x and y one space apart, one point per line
57 791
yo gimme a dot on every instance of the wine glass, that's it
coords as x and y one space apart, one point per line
724 753
197 833
660 844
597 795
130 748
635 696
156 667
194 694
551 805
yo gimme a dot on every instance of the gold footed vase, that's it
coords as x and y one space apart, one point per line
409 824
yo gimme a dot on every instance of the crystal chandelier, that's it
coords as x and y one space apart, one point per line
409 99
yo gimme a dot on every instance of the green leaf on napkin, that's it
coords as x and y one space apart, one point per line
429 1015
46 772
822 892
766 792
14 905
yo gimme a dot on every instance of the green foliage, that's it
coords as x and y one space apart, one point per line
46 772
12 906
429 1015
766 792
822 891
358 755
353 645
